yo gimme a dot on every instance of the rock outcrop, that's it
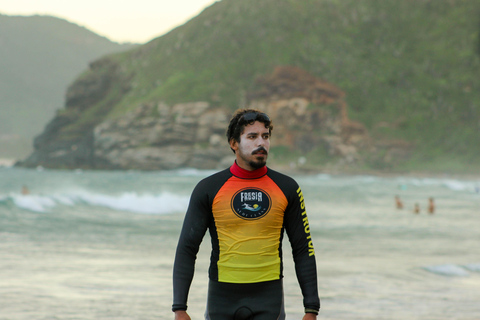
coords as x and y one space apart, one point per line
67 141
158 136
308 114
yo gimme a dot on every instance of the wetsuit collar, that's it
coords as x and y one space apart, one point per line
245 174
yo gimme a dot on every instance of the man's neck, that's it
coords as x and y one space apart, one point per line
240 172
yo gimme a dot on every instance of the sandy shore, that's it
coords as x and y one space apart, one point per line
99 267
88 272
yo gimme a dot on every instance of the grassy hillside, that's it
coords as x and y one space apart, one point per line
409 68
40 57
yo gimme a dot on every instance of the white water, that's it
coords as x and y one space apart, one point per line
164 203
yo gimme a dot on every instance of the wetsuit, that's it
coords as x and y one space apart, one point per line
246 213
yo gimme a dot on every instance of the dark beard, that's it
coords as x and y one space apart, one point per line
257 164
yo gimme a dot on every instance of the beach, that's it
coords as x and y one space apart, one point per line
100 245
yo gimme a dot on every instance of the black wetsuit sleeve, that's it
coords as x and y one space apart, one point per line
197 219
298 231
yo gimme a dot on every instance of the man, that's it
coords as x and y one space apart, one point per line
431 206
398 202
246 208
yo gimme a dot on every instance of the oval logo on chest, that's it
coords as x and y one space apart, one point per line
251 203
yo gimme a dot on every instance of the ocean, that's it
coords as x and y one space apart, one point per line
100 245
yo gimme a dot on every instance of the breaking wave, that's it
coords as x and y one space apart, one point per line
453 270
165 203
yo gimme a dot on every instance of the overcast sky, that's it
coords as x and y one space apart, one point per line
120 21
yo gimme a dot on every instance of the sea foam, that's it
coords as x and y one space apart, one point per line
449 270
164 203
33 202
475 267
130 201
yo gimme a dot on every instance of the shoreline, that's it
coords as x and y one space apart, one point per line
384 174
288 170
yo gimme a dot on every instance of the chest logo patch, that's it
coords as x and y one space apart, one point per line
251 203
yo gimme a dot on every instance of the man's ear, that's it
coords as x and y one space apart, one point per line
233 145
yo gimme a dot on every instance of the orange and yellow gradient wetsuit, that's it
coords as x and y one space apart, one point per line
246 213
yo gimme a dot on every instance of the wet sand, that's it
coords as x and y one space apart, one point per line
92 269
98 267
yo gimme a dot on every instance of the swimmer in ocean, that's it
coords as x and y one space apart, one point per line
398 202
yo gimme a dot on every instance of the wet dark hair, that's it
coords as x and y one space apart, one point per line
243 117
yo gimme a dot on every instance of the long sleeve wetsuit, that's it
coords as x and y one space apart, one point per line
246 213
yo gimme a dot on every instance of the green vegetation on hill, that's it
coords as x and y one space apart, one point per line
409 68
39 58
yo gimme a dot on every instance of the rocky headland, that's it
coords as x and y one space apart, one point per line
308 113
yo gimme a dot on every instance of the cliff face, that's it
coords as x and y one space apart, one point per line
307 113
67 142
158 136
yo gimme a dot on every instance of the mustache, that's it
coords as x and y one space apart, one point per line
260 149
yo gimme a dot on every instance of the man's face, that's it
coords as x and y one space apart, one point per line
252 150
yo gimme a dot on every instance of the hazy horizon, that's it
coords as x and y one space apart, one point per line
125 23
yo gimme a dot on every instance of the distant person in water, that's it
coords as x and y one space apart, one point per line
398 202
416 209
25 190
431 206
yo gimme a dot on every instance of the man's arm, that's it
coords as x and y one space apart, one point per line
310 316
298 231
194 227
182 315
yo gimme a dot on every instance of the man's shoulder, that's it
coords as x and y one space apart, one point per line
279 175
210 185
218 177
281 179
